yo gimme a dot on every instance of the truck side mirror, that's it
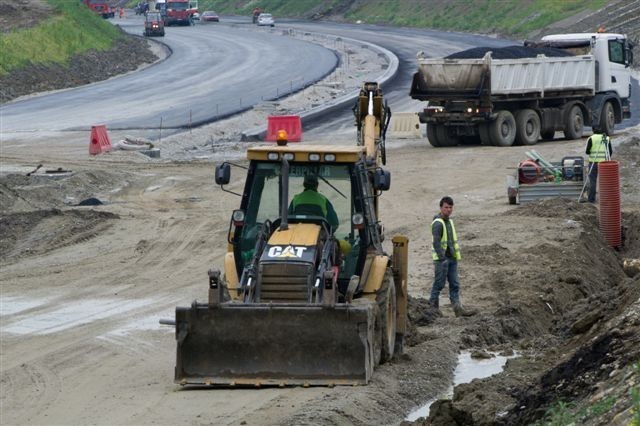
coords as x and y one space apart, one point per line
381 180
223 173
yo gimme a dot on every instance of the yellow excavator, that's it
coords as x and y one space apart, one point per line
304 299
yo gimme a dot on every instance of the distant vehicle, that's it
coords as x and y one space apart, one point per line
210 16
265 19
153 24
179 12
101 7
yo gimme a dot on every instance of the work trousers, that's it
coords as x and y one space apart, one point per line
593 181
445 271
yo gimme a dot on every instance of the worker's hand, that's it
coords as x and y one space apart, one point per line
444 263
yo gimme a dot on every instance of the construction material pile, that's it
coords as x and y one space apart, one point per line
509 52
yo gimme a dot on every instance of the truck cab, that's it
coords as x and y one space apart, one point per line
178 12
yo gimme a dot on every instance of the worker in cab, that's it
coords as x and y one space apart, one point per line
311 202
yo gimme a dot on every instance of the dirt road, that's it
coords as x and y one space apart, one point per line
83 288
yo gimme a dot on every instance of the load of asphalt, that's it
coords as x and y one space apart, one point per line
509 52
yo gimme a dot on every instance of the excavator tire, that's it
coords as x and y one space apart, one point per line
386 319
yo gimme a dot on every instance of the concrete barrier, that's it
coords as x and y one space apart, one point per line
405 125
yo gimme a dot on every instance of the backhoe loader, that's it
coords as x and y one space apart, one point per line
302 301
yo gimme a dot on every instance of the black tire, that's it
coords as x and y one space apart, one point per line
527 127
445 136
548 134
485 137
607 120
386 318
432 136
574 123
503 130
513 199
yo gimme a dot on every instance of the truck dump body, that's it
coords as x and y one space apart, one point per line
541 76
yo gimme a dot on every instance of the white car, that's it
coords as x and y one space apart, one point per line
266 19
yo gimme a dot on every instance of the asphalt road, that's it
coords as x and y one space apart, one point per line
214 71
217 70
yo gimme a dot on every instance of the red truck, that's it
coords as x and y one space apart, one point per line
179 12
101 7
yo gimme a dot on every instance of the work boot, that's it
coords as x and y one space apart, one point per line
434 309
459 311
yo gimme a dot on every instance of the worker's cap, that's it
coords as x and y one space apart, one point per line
310 182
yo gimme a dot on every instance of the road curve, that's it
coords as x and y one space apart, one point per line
214 71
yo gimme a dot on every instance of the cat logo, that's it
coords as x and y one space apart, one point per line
288 251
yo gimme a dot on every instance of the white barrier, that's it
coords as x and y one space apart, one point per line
405 125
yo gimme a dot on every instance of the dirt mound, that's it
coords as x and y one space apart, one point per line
560 309
128 54
509 52
38 232
21 193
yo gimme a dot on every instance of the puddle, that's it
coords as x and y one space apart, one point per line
149 323
73 315
467 369
13 305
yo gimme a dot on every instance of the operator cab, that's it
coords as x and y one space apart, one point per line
341 174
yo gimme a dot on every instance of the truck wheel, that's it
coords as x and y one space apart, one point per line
527 126
445 136
574 123
503 129
431 135
386 321
607 119
483 131
547 135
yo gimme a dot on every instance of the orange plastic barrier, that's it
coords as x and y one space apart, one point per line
99 141
292 124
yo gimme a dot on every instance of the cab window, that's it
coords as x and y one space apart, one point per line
616 52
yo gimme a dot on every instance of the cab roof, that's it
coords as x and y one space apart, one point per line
301 153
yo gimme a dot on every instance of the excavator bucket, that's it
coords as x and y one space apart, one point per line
274 345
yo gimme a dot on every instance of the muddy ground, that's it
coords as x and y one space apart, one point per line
543 279
83 288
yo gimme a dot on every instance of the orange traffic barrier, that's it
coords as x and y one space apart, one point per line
292 124
99 141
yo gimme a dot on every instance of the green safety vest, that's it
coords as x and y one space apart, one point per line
444 241
599 149
311 197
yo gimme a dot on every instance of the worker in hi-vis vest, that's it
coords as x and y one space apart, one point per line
599 150
445 252
311 202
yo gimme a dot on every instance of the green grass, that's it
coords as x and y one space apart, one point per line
511 17
70 30
635 398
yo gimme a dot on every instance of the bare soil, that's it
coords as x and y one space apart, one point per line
83 288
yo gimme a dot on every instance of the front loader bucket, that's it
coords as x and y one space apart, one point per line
267 344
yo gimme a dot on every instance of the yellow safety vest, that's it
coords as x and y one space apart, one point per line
599 149
444 241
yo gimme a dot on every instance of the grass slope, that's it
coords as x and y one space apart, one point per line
72 29
510 17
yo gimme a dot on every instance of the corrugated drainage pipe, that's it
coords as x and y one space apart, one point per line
610 215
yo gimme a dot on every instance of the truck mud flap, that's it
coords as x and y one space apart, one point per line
274 345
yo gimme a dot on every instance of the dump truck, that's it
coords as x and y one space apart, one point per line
520 100
178 12
302 301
